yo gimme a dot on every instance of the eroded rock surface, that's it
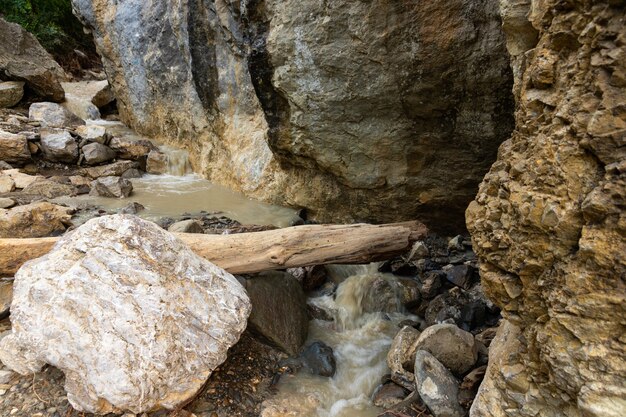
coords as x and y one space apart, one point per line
133 317
549 221
371 111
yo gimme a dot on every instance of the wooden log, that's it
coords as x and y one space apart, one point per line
247 253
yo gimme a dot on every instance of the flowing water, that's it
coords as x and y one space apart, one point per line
180 191
360 341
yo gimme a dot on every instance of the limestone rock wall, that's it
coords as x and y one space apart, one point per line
374 111
549 221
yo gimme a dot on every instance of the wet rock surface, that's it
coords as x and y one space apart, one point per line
437 387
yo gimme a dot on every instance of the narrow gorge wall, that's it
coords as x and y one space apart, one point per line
376 111
549 221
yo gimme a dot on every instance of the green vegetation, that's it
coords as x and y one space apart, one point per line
51 21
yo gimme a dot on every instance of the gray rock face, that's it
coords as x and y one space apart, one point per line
345 108
13 148
453 347
96 153
278 310
134 318
436 386
53 115
58 145
11 92
111 187
22 58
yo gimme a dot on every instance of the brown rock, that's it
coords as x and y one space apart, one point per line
22 58
49 189
13 148
11 92
34 220
129 148
111 170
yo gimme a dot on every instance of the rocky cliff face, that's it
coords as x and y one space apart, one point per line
356 110
549 221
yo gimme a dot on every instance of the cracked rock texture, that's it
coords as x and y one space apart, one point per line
371 111
549 221
130 314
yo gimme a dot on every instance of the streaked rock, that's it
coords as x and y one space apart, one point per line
436 386
111 187
453 347
11 92
14 148
53 115
59 146
38 219
97 153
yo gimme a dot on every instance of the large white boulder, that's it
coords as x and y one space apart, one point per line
128 312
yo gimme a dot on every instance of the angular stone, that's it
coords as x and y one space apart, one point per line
436 386
401 357
22 58
93 133
96 153
14 148
143 321
111 187
6 296
21 180
418 251
186 226
461 275
157 163
98 93
59 146
53 115
6 184
388 395
49 189
11 92
129 148
431 283
279 313
6 203
115 169
453 347
318 359
38 219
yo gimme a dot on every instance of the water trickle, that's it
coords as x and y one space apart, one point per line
177 160
360 340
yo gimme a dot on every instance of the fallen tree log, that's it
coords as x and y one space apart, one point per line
247 253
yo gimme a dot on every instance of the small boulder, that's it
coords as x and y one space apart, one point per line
49 189
382 294
96 153
98 93
456 244
461 275
145 320
389 394
92 133
311 277
157 163
22 58
436 386
318 359
111 187
279 314
453 347
58 146
418 251
186 226
53 115
14 148
131 208
6 203
401 357
38 219
6 184
131 148
21 180
11 92
430 283
132 173
110 170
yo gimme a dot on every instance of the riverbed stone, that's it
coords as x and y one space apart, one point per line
11 92
389 394
59 146
279 314
436 386
22 58
186 226
401 357
93 133
157 162
319 359
6 184
38 219
6 296
14 148
111 187
49 189
132 148
453 347
6 203
115 169
97 93
53 115
21 179
97 153
142 320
